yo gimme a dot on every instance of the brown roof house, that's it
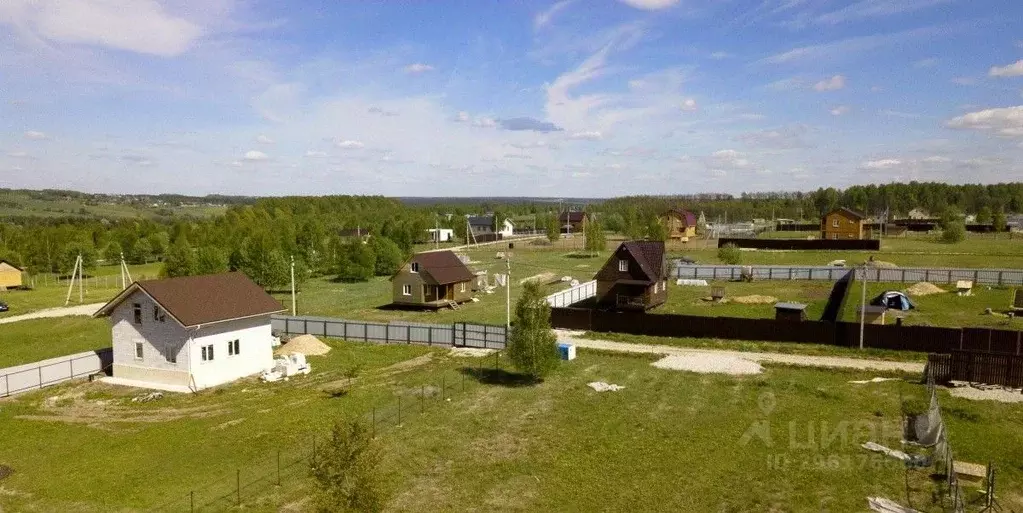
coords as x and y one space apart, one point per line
634 278
190 333
681 224
842 224
10 275
432 279
572 222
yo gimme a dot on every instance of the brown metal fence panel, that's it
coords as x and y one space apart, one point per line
796 244
939 367
989 368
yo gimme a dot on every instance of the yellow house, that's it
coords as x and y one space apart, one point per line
10 275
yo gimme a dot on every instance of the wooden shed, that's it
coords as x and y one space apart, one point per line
10 275
790 312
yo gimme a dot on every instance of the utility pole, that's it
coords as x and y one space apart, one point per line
71 286
507 293
436 232
863 303
293 312
124 282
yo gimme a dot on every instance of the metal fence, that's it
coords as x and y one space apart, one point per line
33 376
573 295
395 332
996 277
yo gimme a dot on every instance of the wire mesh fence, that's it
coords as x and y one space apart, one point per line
265 480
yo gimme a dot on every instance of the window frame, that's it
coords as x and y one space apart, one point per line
834 223
414 267
623 265
406 290
140 350
233 347
461 287
136 310
170 355
207 353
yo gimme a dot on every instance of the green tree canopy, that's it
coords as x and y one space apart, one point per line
388 256
180 260
355 262
345 471
532 346
210 260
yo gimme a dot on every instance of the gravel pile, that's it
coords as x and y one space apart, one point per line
755 300
709 364
976 394
924 289
470 352
305 344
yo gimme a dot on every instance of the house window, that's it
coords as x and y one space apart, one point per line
834 236
138 350
170 354
406 290
462 287
207 353
655 287
415 267
623 266
137 310
158 314
834 223
233 347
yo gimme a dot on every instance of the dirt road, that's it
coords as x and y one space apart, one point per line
55 312
789 359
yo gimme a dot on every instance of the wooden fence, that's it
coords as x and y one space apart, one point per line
977 367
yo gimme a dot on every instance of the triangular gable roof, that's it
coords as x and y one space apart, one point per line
649 255
209 299
685 215
439 267
12 266
849 211
481 220
571 217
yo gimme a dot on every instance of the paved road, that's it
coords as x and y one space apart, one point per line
790 359
55 312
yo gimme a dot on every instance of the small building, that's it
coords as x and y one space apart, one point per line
918 214
481 225
507 228
190 333
441 234
10 275
790 312
432 279
842 224
572 222
680 223
634 277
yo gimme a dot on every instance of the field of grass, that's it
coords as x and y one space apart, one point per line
38 339
101 285
14 204
690 300
787 440
944 309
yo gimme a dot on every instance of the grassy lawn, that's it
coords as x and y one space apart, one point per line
690 300
101 285
670 441
944 309
38 339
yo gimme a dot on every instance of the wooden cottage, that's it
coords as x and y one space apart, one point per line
10 275
634 278
842 224
432 279
572 222
681 224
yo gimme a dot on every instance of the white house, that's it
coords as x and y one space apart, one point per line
507 228
187 334
441 234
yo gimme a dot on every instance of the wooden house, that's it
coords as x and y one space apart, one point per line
572 222
10 275
681 224
634 278
842 224
432 279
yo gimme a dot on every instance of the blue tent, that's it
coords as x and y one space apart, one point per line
893 300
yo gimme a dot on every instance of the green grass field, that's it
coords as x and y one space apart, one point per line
943 309
693 300
15 204
670 441
101 285
38 339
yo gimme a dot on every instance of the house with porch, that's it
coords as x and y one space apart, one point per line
635 277
432 279
190 333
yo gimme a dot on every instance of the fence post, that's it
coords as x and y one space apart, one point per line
999 278
903 276
238 485
344 330
927 275
324 328
408 333
790 273
770 273
40 376
7 382
305 326
71 368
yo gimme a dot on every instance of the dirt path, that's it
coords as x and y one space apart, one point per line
55 312
789 359
471 246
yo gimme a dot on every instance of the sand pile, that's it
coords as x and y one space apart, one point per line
305 344
924 289
755 300
879 264
539 278
709 363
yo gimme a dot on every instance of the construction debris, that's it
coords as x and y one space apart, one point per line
882 505
875 447
145 398
691 283
286 367
873 380
600 386
539 278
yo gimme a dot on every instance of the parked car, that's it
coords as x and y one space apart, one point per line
3 307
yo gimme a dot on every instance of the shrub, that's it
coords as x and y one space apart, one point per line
533 347
954 232
345 471
730 254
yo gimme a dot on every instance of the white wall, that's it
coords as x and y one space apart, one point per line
255 356
507 228
156 337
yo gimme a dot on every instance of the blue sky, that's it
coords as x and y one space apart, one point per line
569 98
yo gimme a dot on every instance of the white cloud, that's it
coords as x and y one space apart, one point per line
1011 70
786 84
484 122
544 18
689 105
650 5
720 55
589 136
315 154
781 138
263 139
727 159
348 144
237 163
462 117
837 49
140 26
840 110
875 8
1005 121
35 135
18 154
255 156
874 165
899 114
831 84
926 63
415 69
936 159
